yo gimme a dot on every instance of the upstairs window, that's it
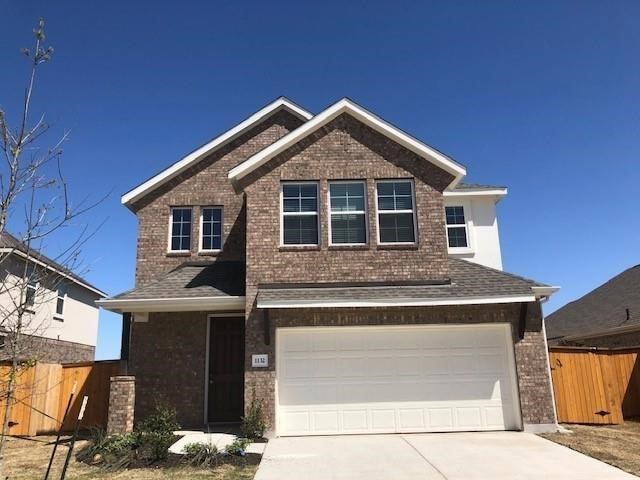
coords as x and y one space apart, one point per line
300 213
456 227
347 205
211 229
396 212
30 294
180 236
62 295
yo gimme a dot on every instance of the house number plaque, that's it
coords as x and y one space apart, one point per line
260 361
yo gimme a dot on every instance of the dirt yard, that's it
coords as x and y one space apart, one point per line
617 445
27 459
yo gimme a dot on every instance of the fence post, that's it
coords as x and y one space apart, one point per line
121 404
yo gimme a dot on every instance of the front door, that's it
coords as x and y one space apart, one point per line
226 369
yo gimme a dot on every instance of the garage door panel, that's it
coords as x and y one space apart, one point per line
348 380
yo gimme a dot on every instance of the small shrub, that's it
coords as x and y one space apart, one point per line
253 424
114 451
163 420
238 446
201 454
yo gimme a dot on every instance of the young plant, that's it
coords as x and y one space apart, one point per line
237 447
201 454
253 423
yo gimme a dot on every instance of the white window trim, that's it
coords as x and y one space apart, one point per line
56 315
383 212
201 230
299 214
365 213
169 250
468 225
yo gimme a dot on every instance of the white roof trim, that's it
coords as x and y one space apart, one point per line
544 293
347 106
221 140
395 302
476 192
53 269
185 304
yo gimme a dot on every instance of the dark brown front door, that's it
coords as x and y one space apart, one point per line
226 369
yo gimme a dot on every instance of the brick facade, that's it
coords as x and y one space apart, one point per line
51 350
168 353
533 378
205 184
167 357
121 405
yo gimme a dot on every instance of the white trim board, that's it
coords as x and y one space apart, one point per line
480 192
167 174
184 304
395 302
347 106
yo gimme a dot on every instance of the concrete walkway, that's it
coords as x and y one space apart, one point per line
448 456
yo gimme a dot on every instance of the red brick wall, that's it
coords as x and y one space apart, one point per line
205 184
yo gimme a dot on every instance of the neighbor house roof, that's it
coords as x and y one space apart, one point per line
194 157
11 245
191 286
470 283
373 121
609 309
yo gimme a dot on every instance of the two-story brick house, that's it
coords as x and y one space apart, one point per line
338 269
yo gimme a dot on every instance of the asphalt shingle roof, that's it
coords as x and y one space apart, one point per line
601 309
9 241
468 280
190 280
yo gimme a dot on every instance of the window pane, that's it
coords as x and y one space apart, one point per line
290 190
308 190
386 203
206 243
455 215
175 243
216 243
348 228
211 228
301 230
457 237
291 205
206 229
396 227
402 188
308 205
385 188
60 306
217 229
404 203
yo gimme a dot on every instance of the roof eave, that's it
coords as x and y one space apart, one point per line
167 174
347 106
184 304
395 302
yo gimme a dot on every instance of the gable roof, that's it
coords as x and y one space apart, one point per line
602 310
347 106
10 244
192 158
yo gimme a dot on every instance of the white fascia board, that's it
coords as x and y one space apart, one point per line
20 253
493 192
396 302
173 304
347 106
544 292
181 165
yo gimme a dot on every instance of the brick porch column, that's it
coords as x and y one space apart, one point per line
121 405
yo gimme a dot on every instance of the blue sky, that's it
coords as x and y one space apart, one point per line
542 97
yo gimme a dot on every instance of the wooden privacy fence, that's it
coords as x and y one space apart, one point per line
595 386
42 393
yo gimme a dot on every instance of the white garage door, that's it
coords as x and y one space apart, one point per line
436 378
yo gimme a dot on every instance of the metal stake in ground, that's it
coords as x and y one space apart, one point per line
64 418
73 438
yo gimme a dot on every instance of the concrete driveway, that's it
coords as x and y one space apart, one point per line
447 456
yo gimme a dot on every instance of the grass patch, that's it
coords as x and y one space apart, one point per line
617 445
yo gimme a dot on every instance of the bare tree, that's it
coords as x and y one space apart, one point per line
34 201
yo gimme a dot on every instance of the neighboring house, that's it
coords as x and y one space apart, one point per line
608 316
61 319
338 269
